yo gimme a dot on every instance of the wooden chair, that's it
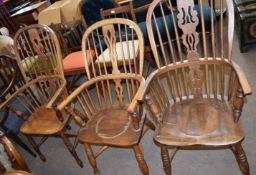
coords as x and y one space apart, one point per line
10 79
114 78
39 59
195 98
70 37
5 20
14 159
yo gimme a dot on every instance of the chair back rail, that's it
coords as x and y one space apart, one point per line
70 35
118 48
190 31
124 11
38 52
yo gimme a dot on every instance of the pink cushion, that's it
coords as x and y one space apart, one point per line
75 61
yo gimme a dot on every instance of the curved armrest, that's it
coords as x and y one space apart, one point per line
242 79
25 87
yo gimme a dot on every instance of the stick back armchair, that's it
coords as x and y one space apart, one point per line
197 93
39 59
115 74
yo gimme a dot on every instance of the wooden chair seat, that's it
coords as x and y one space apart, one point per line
44 122
110 127
199 122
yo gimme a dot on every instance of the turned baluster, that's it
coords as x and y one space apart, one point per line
238 103
153 108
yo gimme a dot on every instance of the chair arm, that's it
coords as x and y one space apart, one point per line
57 94
242 79
24 88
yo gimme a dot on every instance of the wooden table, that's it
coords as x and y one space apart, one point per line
29 14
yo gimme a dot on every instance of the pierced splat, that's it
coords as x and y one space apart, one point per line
187 22
38 48
110 40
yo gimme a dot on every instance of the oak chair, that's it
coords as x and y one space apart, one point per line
39 59
10 157
11 79
196 98
115 75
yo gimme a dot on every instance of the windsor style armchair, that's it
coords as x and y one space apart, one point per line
39 59
196 98
10 157
115 75
11 79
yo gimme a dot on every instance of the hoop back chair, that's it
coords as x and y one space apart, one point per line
196 97
9 152
39 59
11 79
112 85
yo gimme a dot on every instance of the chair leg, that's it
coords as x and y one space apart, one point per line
166 160
36 148
91 158
140 159
17 140
71 148
241 158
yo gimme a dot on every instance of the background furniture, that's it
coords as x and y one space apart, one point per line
11 79
115 74
63 11
70 37
13 157
196 98
5 20
39 58
246 25
29 14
